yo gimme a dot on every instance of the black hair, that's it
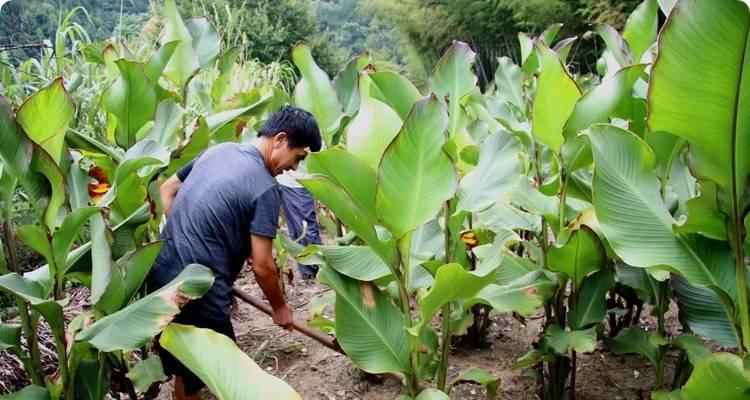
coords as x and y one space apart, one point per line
299 125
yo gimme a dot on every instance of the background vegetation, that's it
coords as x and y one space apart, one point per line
406 36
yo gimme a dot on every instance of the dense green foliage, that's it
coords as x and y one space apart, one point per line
491 27
33 21
589 197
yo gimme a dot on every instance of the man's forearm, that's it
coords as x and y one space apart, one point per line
268 280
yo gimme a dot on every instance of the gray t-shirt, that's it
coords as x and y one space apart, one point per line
226 195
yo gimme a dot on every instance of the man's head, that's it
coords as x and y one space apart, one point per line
289 134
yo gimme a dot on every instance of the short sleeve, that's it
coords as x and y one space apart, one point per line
266 208
183 172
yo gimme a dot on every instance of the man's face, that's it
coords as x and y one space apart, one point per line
284 157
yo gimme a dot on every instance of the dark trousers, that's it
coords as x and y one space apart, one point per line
299 209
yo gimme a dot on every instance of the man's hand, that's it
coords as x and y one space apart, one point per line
267 276
167 193
283 317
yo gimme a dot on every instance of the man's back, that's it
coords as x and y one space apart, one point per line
226 195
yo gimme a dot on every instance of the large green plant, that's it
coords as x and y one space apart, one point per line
95 217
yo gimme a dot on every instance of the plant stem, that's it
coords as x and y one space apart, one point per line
446 309
29 331
412 379
661 309
62 359
739 258
563 196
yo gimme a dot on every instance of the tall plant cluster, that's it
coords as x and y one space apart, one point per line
96 210
588 198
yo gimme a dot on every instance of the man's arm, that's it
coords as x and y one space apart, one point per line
267 275
168 191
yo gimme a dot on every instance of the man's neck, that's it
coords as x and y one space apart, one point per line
264 146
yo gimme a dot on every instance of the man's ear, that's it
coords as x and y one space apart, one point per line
281 139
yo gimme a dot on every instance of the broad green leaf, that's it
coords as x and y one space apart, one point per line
368 326
315 93
581 255
10 337
77 183
596 105
167 121
512 267
556 96
661 395
705 312
563 47
693 346
31 392
64 238
35 237
432 394
632 213
101 258
220 119
453 78
716 131
640 30
666 6
350 173
720 376
373 128
124 232
635 340
36 295
480 376
88 382
639 280
591 307
225 63
131 327
509 82
131 99
415 175
561 341
184 63
137 267
703 216
346 83
158 61
45 117
524 295
206 41
503 216
395 91
350 213
530 199
616 46
452 283
550 33
357 262
35 170
495 176
146 372
227 371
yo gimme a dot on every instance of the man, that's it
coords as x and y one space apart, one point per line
299 212
224 208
